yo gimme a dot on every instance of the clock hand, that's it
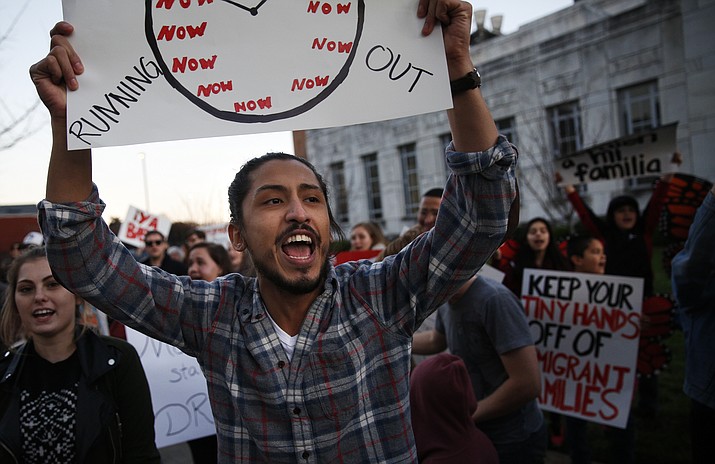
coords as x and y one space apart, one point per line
259 5
253 10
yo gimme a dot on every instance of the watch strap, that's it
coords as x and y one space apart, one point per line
471 80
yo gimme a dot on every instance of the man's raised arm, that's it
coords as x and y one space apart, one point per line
69 178
471 122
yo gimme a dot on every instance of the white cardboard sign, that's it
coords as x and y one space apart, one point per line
644 154
586 329
178 391
176 69
138 222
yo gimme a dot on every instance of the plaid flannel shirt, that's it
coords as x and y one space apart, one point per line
344 395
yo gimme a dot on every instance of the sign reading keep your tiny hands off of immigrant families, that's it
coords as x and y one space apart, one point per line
158 70
586 329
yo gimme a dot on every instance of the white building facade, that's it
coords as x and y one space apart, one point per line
590 73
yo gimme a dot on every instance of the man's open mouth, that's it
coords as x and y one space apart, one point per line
298 246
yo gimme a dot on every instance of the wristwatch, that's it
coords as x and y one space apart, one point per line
471 81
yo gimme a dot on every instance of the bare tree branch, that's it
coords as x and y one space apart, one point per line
14 22
15 128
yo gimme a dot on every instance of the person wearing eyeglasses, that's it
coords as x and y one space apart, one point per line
155 247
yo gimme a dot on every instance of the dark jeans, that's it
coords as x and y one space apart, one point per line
702 431
530 451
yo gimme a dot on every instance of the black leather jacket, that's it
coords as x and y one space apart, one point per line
115 420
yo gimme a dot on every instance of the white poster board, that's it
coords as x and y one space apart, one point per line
586 329
644 154
177 69
491 273
178 391
217 233
138 222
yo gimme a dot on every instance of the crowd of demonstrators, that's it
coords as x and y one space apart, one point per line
66 394
628 239
693 280
367 236
300 400
287 389
485 325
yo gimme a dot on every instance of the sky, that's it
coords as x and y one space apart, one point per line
185 180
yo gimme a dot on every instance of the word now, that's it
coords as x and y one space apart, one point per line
327 8
307 83
179 65
169 4
331 45
168 33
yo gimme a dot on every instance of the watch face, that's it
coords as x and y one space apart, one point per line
257 60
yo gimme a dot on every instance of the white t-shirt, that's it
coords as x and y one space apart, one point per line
286 340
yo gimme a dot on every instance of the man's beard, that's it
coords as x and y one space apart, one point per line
300 287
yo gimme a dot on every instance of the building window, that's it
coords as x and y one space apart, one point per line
639 110
565 126
410 178
507 127
339 191
372 185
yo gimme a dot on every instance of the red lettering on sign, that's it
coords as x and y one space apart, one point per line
181 32
180 64
253 105
215 88
331 46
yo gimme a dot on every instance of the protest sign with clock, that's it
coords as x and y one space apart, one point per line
258 78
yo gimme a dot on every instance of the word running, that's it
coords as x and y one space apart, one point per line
104 116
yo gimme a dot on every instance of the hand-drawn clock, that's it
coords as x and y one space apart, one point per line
254 61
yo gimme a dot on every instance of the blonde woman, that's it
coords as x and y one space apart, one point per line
66 394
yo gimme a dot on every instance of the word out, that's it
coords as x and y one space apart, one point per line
379 58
